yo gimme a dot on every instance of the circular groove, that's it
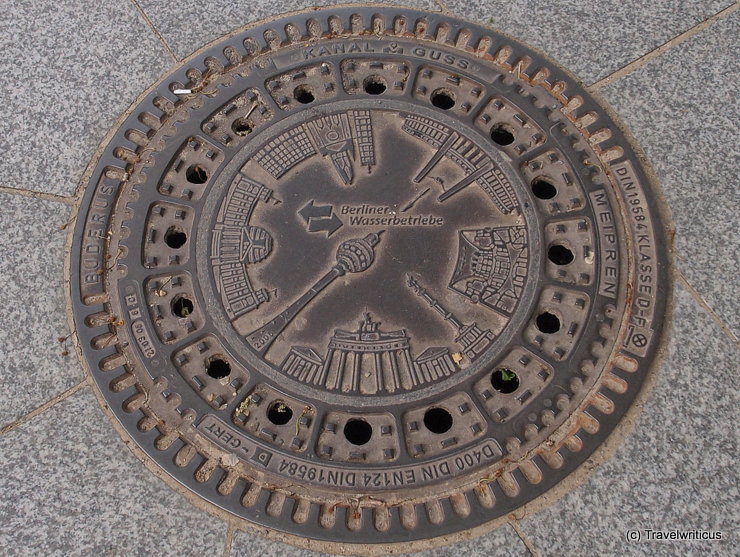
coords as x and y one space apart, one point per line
279 413
358 432
196 174
502 134
303 94
543 189
218 368
560 255
548 323
175 238
242 127
375 85
504 380
442 98
438 420
182 306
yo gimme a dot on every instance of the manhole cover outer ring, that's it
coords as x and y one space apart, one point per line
594 449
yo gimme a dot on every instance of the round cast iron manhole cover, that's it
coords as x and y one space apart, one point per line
369 276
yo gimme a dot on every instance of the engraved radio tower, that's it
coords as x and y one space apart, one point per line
353 256
472 340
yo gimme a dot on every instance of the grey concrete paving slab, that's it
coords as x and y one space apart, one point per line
246 544
71 487
684 110
69 70
593 39
503 542
676 471
32 367
188 26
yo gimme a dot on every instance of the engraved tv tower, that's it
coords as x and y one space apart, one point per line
353 256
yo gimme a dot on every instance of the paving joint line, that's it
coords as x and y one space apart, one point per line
525 539
45 196
45 406
712 313
660 50
229 541
154 29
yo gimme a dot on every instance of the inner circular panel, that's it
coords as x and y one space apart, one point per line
448 268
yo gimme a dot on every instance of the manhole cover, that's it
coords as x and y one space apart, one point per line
369 276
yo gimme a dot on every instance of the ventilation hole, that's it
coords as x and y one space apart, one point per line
175 238
375 85
241 127
548 323
504 380
218 368
303 94
279 413
502 134
196 174
438 420
560 255
182 307
358 432
443 99
542 189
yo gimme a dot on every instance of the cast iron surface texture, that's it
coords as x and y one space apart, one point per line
369 275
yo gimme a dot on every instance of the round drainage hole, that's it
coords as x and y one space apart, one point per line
279 413
375 85
542 189
175 238
196 174
303 94
548 323
504 380
241 127
560 255
182 307
358 432
438 420
443 99
218 368
501 134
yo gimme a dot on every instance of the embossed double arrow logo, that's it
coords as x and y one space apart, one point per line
321 218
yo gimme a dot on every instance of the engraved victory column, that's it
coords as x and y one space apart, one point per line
353 256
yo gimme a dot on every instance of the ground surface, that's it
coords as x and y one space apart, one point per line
69 486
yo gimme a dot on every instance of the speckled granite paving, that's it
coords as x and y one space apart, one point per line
69 486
